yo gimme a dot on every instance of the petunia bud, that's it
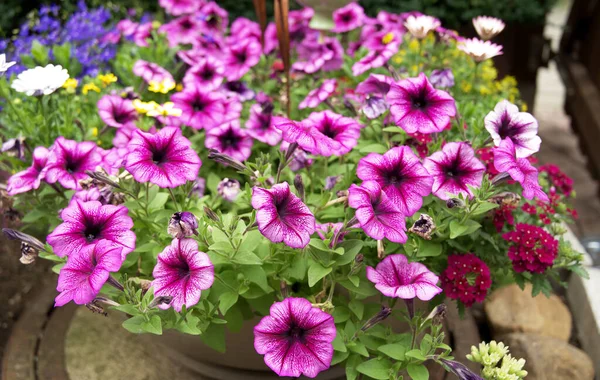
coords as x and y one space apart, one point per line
460 370
357 264
455 202
211 214
183 224
299 185
331 181
160 300
145 285
14 148
229 189
96 308
102 178
28 239
423 227
382 315
224 159
438 313
350 107
506 198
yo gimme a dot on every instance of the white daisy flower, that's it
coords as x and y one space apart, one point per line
40 80
488 27
5 65
479 50
420 26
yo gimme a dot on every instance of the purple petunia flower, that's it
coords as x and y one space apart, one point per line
338 128
241 57
86 223
200 109
183 30
68 161
396 277
229 189
231 140
418 107
182 272
238 89
151 72
453 169
401 176
296 338
215 18
181 7
505 121
116 111
207 74
375 89
315 55
307 136
243 28
165 158
348 18
282 216
300 159
30 178
442 78
378 216
519 169
84 274
378 55
260 126
319 94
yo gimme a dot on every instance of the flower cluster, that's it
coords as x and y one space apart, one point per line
467 278
497 362
531 248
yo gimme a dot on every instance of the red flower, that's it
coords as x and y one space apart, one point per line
531 248
467 278
558 179
529 208
487 157
502 215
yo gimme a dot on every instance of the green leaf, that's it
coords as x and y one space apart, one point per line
252 240
339 357
247 258
158 202
416 354
457 229
375 148
484 207
33 216
341 314
39 53
189 325
418 372
395 351
219 235
226 301
428 248
357 307
62 55
134 324
214 337
338 343
316 272
127 309
257 275
365 288
358 348
154 326
376 368
351 365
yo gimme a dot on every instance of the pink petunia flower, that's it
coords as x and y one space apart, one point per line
242 28
375 89
68 161
30 178
241 57
319 94
378 216
397 278
182 272
214 18
300 159
116 111
338 128
238 89
86 223
207 74
453 169
505 121
231 140
151 72
316 54
165 158
307 136
296 338
181 7
378 56
260 125
400 174
200 109
519 169
282 216
142 34
417 106
348 18
183 30
84 274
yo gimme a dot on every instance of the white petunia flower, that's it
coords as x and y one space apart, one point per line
488 27
479 50
420 26
5 65
40 80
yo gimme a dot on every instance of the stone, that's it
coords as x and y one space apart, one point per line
549 358
510 309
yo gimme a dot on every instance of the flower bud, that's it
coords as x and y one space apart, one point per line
224 159
160 300
199 187
145 285
211 214
350 107
506 198
28 239
455 202
299 185
229 189
438 313
102 178
357 264
331 181
460 370
423 227
183 224
14 148
382 315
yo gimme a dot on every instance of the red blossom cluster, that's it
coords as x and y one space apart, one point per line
467 278
487 157
503 215
560 180
531 248
419 141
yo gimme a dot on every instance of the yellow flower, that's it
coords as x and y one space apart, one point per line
167 109
524 107
414 45
398 59
89 87
95 132
388 38
156 24
466 86
70 85
163 87
484 90
179 87
144 107
107 79
99 142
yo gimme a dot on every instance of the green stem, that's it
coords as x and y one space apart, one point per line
174 199
225 283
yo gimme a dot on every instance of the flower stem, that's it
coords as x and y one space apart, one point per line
58 190
174 199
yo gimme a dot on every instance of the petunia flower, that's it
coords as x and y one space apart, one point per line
165 158
183 30
348 18
400 174
68 161
505 121
378 216
282 216
453 169
200 109
479 50
338 128
229 189
183 224
419 26
40 80
418 107
207 74
242 28
260 126
488 27
519 169
180 7
30 178
375 89
396 277
378 56
442 78
116 111
182 272
86 223
142 34
307 136
214 18
230 139
239 90
319 94
296 338
300 159
241 57
84 274
316 54
151 72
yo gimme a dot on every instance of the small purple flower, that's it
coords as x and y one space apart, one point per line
142 34
84 274
375 89
519 169
199 187
151 72
238 89
200 109
331 181
229 189
418 107
182 272
338 128
241 57
348 18
14 148
460 370
377 57
215 18
30 178
242 28
300 159
165 158
296 338
116 111
207 74
442 78
282 216
68 161
182 224
453 169
260 126
307 136
315 55
231 140
86 223
505 121
180 7
183 30
378 216
400 174
319 94
397 278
